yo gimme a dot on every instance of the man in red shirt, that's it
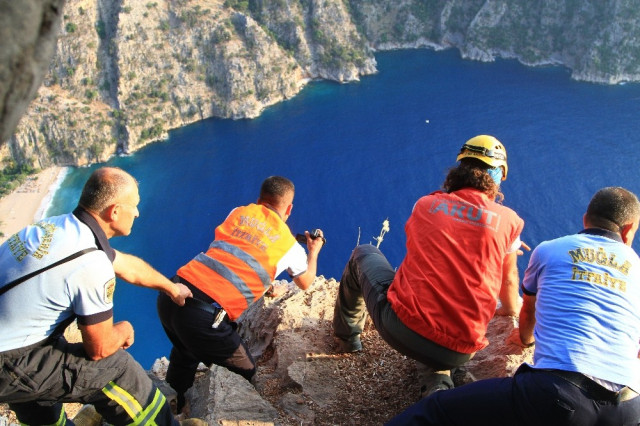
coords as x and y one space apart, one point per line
461 258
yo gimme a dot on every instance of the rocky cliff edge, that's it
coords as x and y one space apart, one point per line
303 380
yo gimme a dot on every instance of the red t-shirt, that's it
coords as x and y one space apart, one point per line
446 288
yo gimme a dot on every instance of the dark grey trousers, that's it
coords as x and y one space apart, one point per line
363 287
194 341
37 379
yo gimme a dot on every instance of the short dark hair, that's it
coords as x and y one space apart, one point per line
103 188
274 188
613 207
471 173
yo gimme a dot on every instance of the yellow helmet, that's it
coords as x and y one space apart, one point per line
486 149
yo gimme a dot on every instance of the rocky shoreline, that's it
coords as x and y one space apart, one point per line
125 73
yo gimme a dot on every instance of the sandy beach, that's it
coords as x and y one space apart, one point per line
22 207
26 204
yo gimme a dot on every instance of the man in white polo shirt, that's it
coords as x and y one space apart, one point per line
62 269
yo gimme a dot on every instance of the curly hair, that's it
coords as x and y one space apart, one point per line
472 173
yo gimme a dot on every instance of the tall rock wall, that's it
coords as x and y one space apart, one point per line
598 40
28 32
125 72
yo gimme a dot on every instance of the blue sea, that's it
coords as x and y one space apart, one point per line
364 152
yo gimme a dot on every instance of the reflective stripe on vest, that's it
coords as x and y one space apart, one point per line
241 262
231 276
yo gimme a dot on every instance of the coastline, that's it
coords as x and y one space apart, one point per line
29 202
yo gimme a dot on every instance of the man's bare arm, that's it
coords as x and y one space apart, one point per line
138 272
303 281
509 297
527 319
105 338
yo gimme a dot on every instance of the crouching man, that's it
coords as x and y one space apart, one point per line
61 269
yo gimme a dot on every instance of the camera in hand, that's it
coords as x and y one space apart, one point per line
314 233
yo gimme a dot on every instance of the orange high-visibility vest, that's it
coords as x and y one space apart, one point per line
241 262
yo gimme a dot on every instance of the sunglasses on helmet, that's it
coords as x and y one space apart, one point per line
491 153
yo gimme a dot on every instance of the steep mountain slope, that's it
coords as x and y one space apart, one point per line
126 72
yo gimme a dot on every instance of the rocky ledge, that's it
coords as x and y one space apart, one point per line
303 380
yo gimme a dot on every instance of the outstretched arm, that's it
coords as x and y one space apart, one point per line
314 245
138 272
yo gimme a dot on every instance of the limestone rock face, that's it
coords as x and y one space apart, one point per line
222 397
28 30
597 40
126 72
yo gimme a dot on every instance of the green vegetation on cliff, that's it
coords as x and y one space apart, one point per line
13 175
126 72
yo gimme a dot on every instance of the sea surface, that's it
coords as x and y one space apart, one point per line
364 152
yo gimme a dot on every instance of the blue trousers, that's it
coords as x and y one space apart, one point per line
531 397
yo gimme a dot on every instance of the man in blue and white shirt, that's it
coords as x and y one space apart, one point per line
43 289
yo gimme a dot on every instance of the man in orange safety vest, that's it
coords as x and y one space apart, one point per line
251 247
